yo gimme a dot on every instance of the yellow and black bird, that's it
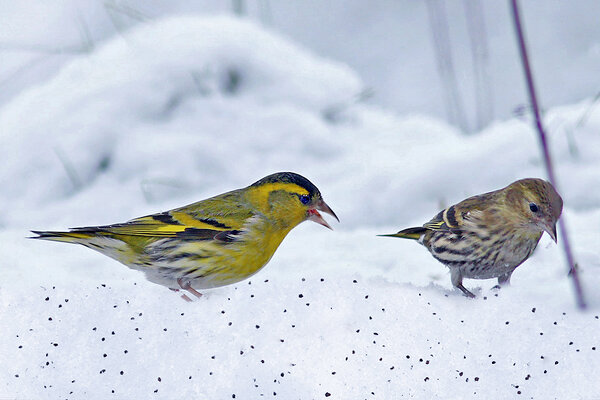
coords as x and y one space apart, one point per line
489 235
211 243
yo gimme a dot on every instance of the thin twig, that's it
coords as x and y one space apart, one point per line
476 28
69 169
546 152
440 30
584 117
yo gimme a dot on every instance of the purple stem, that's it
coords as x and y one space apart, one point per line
544 142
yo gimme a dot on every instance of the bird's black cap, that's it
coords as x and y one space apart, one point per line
289 177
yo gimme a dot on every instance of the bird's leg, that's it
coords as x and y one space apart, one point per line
466 291
186 298
456 278
503 280
185 285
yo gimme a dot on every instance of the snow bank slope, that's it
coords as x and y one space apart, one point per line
216 96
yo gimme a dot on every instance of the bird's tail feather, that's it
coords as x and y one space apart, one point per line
409 233
58 236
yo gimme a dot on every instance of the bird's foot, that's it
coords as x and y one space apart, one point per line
183 296
465 291
185 285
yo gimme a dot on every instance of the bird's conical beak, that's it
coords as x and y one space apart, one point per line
315 216
551 229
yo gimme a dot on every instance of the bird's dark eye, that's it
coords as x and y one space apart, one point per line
304 199
533 207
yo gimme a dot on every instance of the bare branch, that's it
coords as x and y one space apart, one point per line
545 150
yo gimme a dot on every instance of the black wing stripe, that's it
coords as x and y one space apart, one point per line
196 234
214 223
451 217
208 234
165 218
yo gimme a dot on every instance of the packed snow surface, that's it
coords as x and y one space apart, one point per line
184 108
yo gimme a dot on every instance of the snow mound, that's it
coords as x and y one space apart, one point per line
227 103
215 95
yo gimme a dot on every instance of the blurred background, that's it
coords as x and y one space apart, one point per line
169 102
454 60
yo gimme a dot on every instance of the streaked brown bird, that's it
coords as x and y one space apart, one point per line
490 235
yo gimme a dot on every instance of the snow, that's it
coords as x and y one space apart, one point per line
185 107
389 43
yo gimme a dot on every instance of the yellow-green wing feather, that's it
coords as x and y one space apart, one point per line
202 220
